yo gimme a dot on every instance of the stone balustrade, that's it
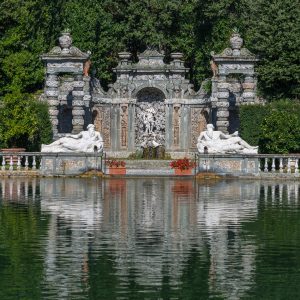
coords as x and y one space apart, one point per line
257 164
50 163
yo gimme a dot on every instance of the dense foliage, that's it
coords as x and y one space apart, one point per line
24 122
274 126
194 27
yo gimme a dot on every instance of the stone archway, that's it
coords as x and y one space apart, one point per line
150 116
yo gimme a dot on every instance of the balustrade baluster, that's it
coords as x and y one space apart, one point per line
19 163
280 165
33 163
266 165
3 163
273 164
26 163
296 166
11 163
289 165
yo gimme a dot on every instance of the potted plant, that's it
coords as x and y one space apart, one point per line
182 166
116 167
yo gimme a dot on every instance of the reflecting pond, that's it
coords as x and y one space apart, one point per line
149 238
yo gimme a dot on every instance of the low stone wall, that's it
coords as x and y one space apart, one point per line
229 165
69 165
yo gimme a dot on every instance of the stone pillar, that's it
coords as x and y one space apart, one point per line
222 105
248 89
168 126
51 90
87 100
131 126
176 125
78 105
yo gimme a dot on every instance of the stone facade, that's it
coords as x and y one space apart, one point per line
149 99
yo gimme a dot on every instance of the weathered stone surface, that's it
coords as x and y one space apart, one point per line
51 93
78 102
223 95
78 93
222 104
79 84
77 121
222 124
52 83
248 85
248 94
223 113
53 102
87 97
223 85
53 111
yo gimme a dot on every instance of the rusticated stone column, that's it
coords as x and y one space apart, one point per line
249 89
222 105
78 104
51 91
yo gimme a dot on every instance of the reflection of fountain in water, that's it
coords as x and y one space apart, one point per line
149 227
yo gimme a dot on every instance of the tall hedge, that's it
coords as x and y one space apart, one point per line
274 127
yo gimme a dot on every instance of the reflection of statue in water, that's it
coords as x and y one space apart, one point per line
85 141
219 142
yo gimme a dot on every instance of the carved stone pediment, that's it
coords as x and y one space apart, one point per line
151 57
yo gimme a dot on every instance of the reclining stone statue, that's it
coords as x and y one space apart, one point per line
213 141
85 141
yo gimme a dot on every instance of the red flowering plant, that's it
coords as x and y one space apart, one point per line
182 164
114 163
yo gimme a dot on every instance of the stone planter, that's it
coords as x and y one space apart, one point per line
180 172
117 170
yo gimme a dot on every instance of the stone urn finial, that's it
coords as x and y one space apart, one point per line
236 43
177 58
65 41
124 57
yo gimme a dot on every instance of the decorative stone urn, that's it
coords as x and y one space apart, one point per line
65 42
124 57
177 58
236 43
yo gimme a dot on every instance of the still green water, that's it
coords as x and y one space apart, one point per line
67 238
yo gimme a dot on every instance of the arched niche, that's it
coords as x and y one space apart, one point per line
150 94
150 116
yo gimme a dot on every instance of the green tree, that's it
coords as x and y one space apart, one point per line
24 122
27 29
272 31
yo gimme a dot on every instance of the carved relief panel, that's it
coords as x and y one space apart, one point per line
199 119
101 120
124 125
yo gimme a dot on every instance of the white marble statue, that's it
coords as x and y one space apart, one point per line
85 141
148 120
213 141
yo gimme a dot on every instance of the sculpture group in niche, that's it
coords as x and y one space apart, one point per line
150 123
214 141
85 141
